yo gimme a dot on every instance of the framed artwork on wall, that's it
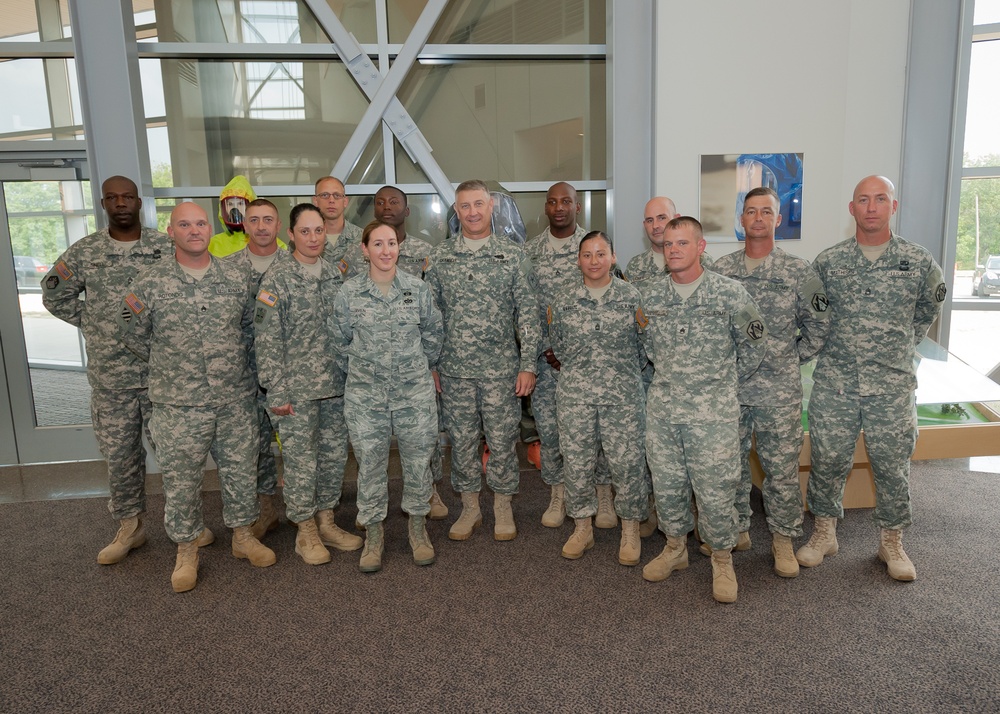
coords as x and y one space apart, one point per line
726 179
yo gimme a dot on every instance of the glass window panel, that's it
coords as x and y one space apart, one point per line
982 138
509 22
509 121
987 11
20 22
256 21
975 338
41 100
979 212
278 123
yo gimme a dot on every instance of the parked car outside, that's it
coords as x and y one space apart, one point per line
989 281
30 271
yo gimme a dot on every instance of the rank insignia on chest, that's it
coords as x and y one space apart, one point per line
683 330
471 277
904 265
500 256
269 299
64 272
408 301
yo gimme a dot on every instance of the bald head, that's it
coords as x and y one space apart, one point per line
190 229
872 207
659 211
562 208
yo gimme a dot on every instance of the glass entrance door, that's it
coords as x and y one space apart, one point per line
44 208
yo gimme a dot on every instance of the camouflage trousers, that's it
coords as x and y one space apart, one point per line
120 417
372 422
704 458
437 474
472 408
267 469
314 452
620 430
184 437
543 406
778 432
836 416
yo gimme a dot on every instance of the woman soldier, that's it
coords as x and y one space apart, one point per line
388 331
296 361
599 400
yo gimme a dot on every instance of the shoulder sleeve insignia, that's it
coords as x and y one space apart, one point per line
755 330
134 303
64 272
820 302
940 292
52 282
640 318
269 299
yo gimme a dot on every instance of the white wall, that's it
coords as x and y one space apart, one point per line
822 78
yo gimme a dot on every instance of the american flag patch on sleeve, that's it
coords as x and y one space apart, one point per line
269 299
64 272
134 303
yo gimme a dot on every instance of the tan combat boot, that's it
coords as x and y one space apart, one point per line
206 537
822 542
308 544
648 526
785 564
439 511
555 514
631 545
470 519
890 552
333 535
371 556
606 516
724 586
267 521
674 557
131 534
246 546
420 542
580 541
185 575
503 518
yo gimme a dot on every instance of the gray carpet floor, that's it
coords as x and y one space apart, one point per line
501 626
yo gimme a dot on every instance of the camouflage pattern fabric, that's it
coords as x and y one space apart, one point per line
349 238
184 436
468 403
704 347
600 396
296 362
557 273
491 321
795 307
101 270
387 344
866 374
314 452
267 468
120 416
196 335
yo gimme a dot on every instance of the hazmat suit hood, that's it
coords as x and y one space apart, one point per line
233 203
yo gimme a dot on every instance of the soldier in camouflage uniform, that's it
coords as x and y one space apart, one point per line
391 207
101 267
790 296
191 319
650 264
553 255
705 336
485 289
305 388
341 234
261 224
600 399
884 294
388 332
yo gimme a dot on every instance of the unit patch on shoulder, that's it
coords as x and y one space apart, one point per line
134 303
52 282
755 330
940 292
269 299
64 272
